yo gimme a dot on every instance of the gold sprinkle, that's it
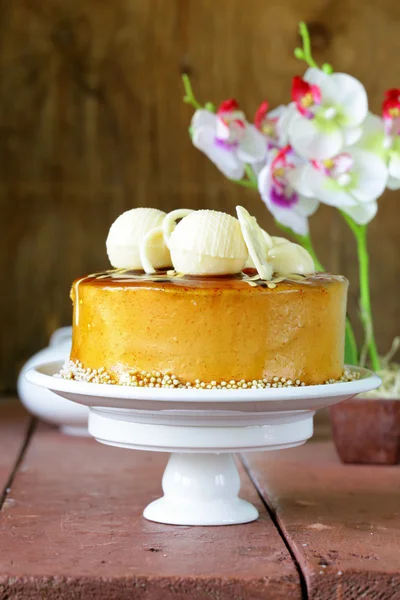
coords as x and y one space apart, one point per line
74 371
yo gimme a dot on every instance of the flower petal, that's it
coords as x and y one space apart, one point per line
257 167
350 94
252 147
371 175
264 179
372 124
299 179
277 112
203 117
393 184
362 213
321 79
327 190
394 165
373 136
351 135
284 122
307 206
310 142
225 159
289 218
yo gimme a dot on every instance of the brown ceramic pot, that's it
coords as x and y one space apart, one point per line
367 431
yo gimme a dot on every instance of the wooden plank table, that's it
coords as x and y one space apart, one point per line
71 526
342 522
16 428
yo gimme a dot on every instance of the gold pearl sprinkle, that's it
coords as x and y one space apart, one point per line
75 371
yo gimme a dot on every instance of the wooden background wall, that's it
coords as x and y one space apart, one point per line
92 123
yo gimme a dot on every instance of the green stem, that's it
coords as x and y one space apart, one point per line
251 176
250 181
351 350
189 97
245 183
305 36
304 53
360 233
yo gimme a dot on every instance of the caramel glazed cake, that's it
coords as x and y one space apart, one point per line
209 302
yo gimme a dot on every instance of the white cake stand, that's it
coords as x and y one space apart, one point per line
202 429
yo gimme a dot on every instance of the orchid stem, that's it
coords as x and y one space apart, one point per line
304 53
251 176
305 36
245 183
189 97
351 350
360 233
250 181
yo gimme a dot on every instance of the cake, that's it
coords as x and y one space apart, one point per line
210 330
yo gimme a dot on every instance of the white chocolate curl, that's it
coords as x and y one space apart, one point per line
208 242
127 234
257 242
170 220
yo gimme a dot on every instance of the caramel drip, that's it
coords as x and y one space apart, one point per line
129 278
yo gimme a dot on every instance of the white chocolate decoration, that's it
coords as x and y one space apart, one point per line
286 257
289 258
127 234
208 242
147 248
276 241
169 222
257 243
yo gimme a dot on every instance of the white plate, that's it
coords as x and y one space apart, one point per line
120 396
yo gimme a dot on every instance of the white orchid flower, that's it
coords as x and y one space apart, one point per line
289 208
228 139
351 181
382 136
330 110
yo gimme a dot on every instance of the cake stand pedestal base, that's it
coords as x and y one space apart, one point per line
201 489
201 482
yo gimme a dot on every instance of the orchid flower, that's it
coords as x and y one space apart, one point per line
391 119
382 136
330 110
289 208
351 181
228 139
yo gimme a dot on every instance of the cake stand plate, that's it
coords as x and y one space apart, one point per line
202 429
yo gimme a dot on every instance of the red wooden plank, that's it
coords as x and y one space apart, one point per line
342 522
14 423
73 528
